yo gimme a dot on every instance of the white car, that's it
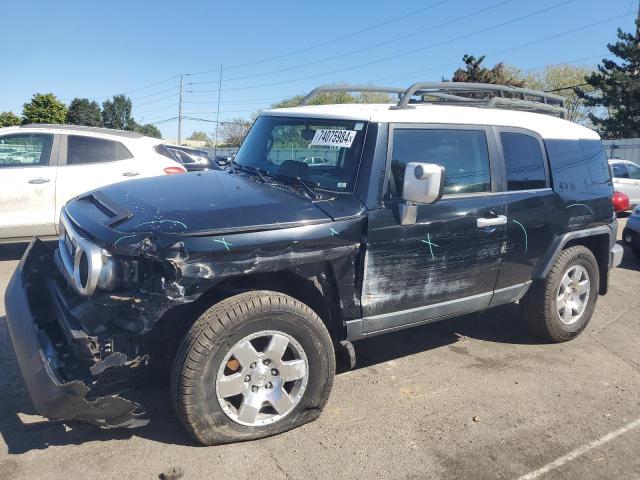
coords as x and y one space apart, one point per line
626 179
44 166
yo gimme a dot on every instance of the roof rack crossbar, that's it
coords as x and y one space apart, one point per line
351 89
505 96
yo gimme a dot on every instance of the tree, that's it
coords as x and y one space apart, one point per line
499 74
200 137
84 112
44 108
116 113
329 98
9 119
614 90
148 130
234 131
561 80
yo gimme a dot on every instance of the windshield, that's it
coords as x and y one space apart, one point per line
323 151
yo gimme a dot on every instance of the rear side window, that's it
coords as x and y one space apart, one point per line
25 150
83 150
619 170
524 161
463 154
634 171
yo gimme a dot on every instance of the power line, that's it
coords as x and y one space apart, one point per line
157 100
408 52
368 47
154 94
568 62
141 88
327 42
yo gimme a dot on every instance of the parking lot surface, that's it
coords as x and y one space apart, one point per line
473 397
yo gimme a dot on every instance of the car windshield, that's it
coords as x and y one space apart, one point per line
322 151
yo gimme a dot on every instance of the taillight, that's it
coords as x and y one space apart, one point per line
620 202
174 169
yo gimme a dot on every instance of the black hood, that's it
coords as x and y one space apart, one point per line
192 203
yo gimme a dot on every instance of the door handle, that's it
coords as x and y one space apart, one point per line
39 180
130 174
492 222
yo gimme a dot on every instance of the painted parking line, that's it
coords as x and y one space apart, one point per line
581 451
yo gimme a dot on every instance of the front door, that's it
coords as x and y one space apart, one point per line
448 261
27 185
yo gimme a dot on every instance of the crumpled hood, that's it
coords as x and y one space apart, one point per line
196 203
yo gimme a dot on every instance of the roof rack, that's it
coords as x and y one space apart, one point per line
482 95
351 89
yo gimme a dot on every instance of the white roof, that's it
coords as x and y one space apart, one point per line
546 126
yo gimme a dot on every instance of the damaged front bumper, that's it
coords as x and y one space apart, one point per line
38 358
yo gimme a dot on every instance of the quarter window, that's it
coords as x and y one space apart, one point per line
463 154
524 161
83 150
25 150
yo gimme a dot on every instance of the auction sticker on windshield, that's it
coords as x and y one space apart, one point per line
334 138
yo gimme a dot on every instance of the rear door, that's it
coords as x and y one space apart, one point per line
531 206
633 183
447 262
91 162
27 184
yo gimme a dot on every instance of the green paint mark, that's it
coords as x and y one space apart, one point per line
333 232
225 243
526 237
431 245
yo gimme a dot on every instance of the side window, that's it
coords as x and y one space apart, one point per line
83 150
25 150
464 154
524 161
619 170
634 171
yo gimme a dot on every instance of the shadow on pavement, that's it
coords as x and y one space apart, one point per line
630 261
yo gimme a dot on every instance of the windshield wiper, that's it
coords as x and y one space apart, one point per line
250 169
306 185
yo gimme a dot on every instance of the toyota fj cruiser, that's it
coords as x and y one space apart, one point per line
458 198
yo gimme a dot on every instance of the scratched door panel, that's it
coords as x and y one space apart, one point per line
443 257
530 233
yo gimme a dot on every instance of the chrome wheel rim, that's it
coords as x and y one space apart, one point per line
573 294
262 378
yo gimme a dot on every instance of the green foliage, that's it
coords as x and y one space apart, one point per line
44 108
614 90
9 119
84 112
148 130
116 113
331 98
560 80
199 137
499 74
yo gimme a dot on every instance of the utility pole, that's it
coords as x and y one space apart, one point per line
215 145
180 113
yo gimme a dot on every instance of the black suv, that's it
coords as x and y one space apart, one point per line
458 198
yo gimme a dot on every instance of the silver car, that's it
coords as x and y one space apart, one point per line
626 179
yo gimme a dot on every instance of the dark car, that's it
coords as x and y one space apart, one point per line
193 159
247 281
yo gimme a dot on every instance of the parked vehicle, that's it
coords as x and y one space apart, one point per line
626 179
44 166
246 281
620 202
192 159
316 161
631 232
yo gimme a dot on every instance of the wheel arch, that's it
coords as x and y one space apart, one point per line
596 239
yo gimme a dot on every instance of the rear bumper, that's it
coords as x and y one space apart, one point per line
616 256
37 358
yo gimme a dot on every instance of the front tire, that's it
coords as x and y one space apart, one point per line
254 365
559 307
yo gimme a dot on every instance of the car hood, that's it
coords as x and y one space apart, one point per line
192 204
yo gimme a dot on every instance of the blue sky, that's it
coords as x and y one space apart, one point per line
272 50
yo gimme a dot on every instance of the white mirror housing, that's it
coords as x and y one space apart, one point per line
423 182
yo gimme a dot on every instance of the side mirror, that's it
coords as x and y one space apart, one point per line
423 182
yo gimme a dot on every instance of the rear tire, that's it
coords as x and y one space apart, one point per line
254 365
559 307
